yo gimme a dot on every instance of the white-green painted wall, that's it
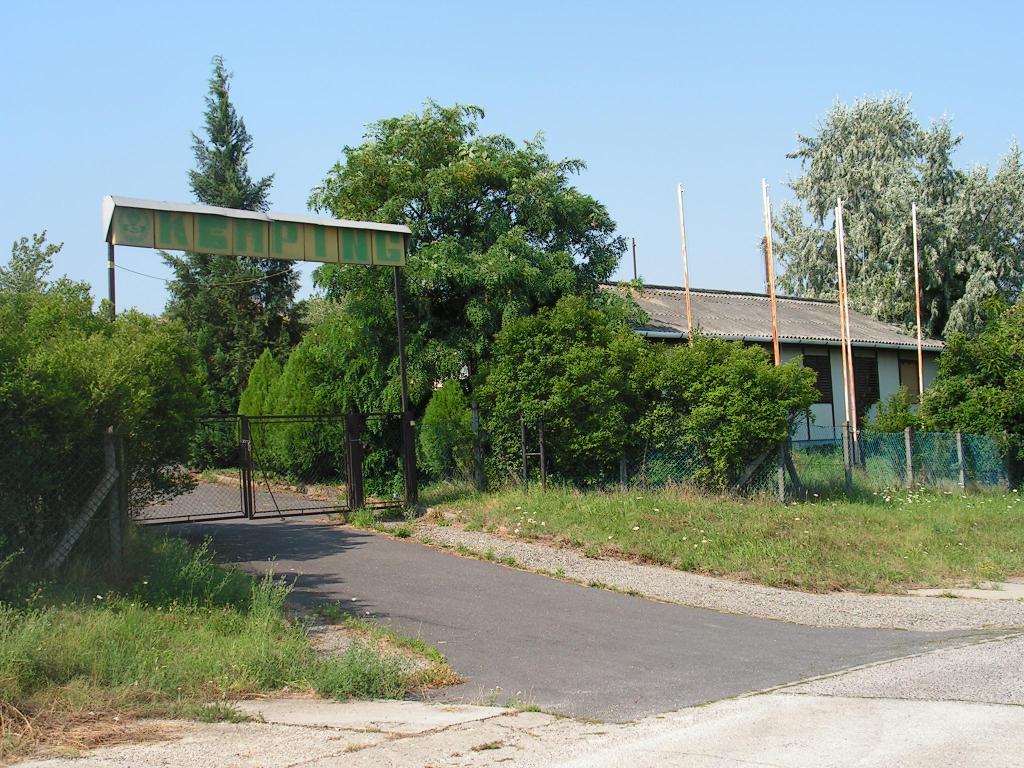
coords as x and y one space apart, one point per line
828 418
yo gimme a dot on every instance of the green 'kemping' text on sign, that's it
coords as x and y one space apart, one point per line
261 236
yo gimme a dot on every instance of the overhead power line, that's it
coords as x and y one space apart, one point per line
213 285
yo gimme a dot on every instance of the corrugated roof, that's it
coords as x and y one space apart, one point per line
746 317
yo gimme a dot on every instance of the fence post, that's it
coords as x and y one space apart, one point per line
908 445
781 470
540 451
623 472
354 460
113 499
960 458
478 450
123 488
245 467
522 439
847 457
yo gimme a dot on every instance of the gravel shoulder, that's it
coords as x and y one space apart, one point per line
927 614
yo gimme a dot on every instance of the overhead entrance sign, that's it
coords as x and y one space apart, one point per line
230 232
252 234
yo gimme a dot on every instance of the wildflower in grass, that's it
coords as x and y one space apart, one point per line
636 527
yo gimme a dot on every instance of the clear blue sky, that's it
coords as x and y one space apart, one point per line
102 97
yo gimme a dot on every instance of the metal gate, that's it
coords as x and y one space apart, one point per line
283 466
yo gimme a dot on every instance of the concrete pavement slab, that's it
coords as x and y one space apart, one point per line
993 590
988 672
395 717
815 732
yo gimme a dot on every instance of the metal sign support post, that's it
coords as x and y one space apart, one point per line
110 279
408 423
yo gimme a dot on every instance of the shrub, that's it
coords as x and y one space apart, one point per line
723 405
896 413
980 384
67 373
587 375
264 375
446 434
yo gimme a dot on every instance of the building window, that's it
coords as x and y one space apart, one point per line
909 377
823 371
865 382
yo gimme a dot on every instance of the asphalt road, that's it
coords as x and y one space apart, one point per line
570 649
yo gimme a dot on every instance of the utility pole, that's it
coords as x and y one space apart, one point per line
686 265
770 269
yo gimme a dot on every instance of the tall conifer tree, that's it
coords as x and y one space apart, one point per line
233 307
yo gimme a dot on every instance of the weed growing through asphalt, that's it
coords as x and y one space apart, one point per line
362 518
497 744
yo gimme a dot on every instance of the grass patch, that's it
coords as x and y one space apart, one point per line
447 492
175 636
362 518
880 543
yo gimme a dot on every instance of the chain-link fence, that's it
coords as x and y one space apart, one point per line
871 462
55 497
868 462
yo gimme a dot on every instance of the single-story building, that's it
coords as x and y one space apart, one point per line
884 355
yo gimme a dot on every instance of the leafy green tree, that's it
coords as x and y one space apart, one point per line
722 405
67 372
446 433
498 232
232 307
980 384
333 370
29 265
878 158
587 376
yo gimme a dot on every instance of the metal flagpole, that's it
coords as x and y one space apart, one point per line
842 321
686 265
846 316
917 302
770 266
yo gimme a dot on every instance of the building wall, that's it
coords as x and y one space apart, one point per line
828 418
